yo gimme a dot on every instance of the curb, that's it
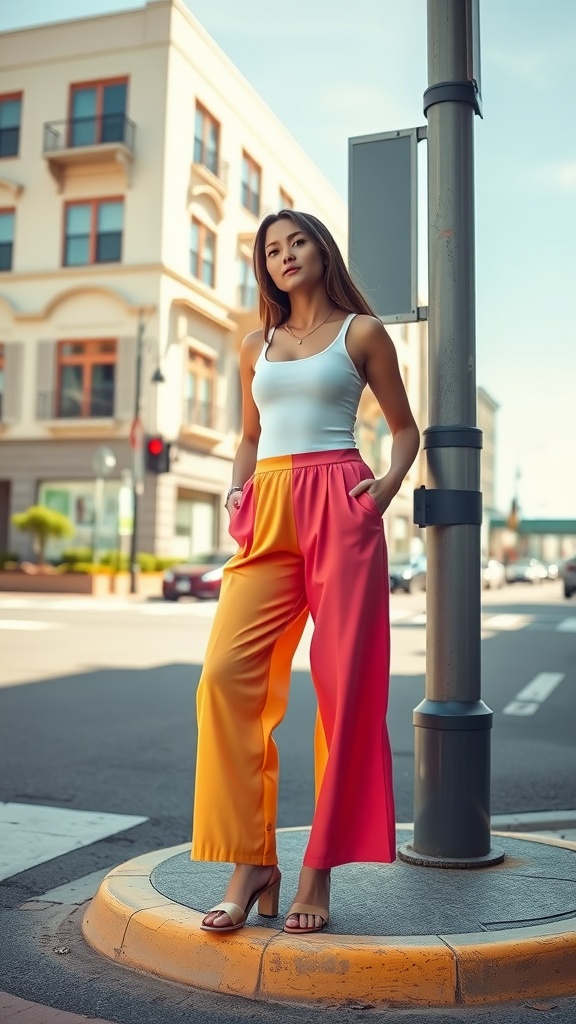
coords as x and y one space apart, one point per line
131 923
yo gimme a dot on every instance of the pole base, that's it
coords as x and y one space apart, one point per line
408 854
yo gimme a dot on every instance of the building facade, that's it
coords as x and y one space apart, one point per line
135 165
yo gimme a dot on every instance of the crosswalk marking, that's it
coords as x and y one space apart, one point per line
507 620
31 834
567 625
532 696
29 624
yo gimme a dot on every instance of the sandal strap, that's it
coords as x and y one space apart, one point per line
309 908
235 913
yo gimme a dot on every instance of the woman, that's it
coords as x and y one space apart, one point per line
306 512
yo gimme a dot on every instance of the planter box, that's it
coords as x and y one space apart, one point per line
148 584
55 583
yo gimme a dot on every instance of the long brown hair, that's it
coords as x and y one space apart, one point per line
274 304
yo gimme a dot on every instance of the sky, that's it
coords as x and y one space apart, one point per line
332 69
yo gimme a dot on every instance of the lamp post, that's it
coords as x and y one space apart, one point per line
137 442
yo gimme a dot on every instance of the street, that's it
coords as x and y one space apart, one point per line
97 727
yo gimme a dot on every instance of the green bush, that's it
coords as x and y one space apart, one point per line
91 569
9 557
163 562
116 561
72 555
145 561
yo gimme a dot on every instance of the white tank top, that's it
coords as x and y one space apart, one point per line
309 404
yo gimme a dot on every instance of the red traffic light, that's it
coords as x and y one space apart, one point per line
157 455
155 445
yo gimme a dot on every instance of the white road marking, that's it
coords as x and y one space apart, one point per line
507 621
29 624
567 626
31 834
532 696
521 707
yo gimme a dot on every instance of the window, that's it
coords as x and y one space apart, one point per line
248 292
98 113
1 379
200 385
285 201
86 371
251 184
202 253
6 238
206 139
93 232
10 113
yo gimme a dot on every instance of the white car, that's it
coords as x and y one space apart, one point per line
526 570
493 574
568 574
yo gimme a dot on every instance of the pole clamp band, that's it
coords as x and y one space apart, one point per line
452 436
443 507
452 92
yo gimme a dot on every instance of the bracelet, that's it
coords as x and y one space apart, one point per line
230 493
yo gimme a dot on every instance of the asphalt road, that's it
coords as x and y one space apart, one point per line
97 715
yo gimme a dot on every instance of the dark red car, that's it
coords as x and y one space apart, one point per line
200 577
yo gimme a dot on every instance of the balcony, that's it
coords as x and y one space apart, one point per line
208 168
203 422
71 410
84 141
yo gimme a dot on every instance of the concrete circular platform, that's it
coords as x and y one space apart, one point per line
399 934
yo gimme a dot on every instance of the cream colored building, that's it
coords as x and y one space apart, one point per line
135 165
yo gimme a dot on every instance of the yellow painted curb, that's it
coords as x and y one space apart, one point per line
131 923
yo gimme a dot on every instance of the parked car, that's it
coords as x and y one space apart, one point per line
200 577
526 570
407 572
493 574
568 574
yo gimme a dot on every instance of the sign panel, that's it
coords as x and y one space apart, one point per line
382 238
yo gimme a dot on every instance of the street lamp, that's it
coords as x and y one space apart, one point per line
137 444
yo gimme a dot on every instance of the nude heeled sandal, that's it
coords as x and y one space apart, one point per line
268 897
307 908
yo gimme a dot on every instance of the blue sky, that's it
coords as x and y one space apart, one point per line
331 69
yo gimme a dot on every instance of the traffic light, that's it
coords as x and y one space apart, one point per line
157 455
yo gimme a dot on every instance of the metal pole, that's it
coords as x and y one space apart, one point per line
136 483
452 724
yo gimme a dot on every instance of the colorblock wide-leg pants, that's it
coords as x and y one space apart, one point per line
305 546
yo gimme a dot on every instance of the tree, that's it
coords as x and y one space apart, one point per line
42 523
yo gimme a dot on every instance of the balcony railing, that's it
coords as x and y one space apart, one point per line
211 161
204 415
80 132
74 404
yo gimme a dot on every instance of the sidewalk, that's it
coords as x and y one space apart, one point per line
399 935
21 1011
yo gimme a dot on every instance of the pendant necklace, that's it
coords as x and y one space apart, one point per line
300 340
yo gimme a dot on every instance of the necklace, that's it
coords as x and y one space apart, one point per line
300 340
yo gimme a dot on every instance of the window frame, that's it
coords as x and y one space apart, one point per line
201 365
248 283
2 376
7 97
3 211
207 118
88 359
95 205
203 230
99 84
251 165
286 201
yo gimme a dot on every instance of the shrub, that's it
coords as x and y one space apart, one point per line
91 568
72 555
8 559
42 523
